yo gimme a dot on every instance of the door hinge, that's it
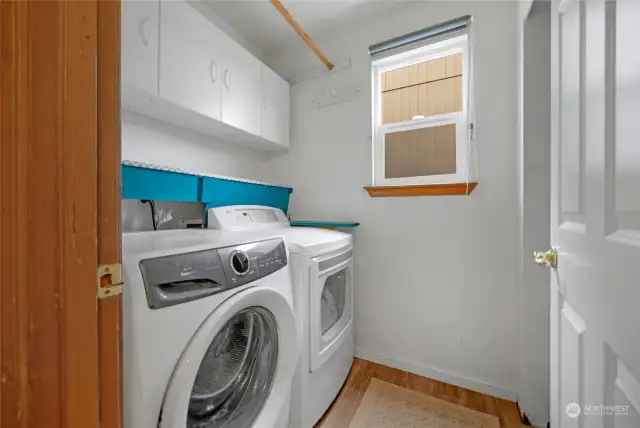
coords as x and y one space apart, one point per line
109 280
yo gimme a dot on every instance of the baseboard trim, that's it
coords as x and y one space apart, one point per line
439 375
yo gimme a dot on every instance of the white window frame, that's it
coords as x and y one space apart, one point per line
450 46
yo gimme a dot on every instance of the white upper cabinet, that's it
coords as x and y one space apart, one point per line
179 68
275 107
241 91
140 34
190 59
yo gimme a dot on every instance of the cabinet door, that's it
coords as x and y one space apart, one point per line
242 89
140 44
275 107
190 59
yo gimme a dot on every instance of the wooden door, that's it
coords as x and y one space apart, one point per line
595 217
59 213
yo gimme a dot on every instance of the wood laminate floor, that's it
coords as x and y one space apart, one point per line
344 407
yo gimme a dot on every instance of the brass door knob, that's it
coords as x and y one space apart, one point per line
548 258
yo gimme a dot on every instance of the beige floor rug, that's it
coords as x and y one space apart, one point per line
389 406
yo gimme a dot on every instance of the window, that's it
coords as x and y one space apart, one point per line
421 114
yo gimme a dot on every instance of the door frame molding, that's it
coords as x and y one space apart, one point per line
60 348
535 207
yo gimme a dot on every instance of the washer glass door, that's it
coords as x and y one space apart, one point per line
236 374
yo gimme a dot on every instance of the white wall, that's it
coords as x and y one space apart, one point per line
150 141
436 277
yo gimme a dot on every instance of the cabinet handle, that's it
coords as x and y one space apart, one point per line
145 31
213 71
265 104
227 79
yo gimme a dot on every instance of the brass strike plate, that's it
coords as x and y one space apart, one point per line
109 281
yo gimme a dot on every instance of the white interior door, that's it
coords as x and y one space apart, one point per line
595 214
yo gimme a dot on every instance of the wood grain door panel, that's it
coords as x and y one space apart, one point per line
59 212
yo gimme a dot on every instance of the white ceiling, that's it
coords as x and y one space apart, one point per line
260 24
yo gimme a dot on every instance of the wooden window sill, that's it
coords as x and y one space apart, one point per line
421 190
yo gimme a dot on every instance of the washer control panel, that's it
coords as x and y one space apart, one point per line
249 262
179 278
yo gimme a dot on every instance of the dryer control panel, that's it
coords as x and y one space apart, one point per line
179 278
246 218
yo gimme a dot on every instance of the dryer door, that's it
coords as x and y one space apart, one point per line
331 307
237 369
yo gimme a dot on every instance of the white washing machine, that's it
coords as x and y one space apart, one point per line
209 330
322 268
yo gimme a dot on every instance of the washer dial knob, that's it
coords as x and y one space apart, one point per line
240 263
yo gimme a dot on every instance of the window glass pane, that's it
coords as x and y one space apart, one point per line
333 301
428 88
420 152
